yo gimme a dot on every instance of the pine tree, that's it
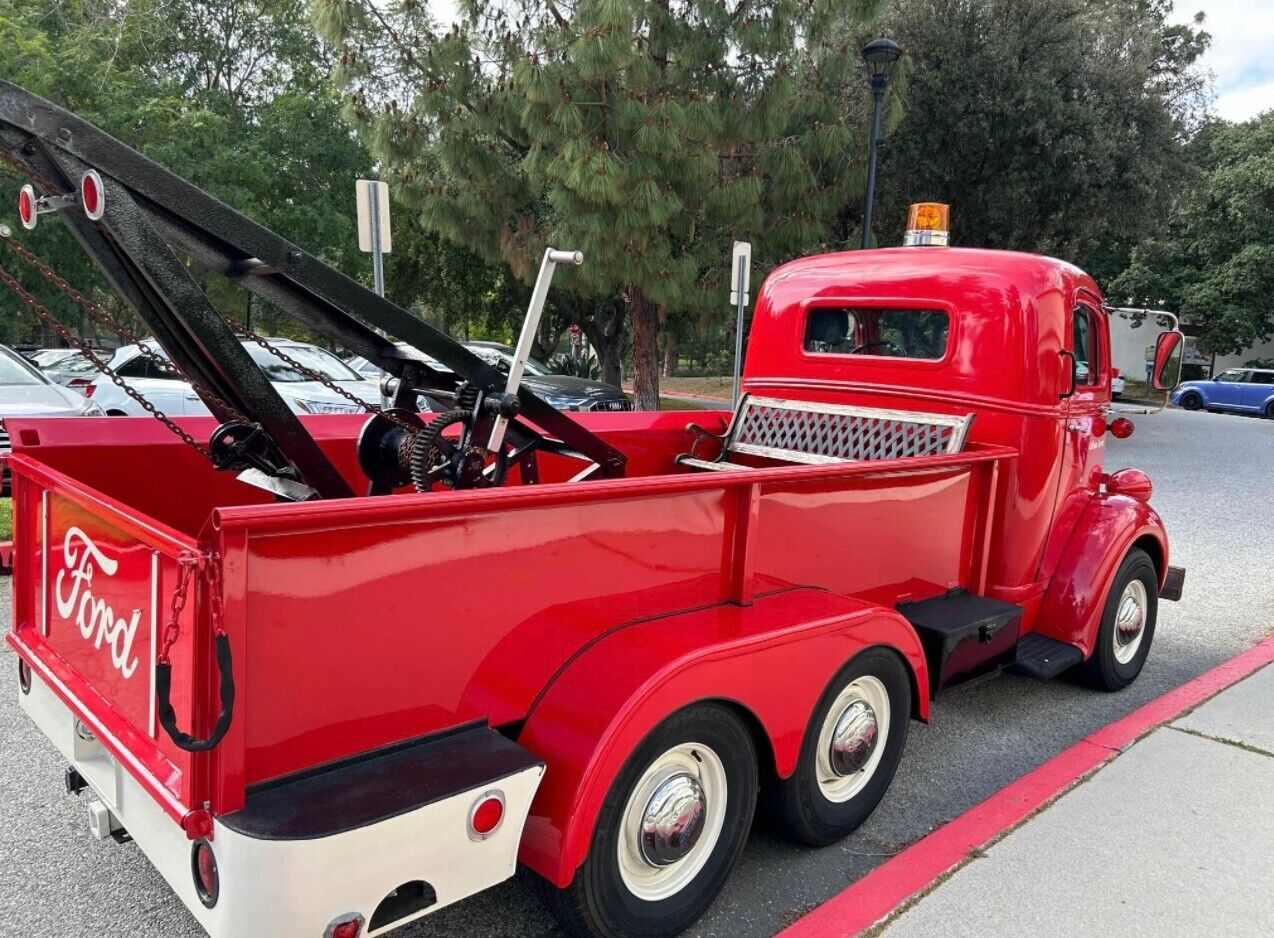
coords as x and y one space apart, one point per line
646 133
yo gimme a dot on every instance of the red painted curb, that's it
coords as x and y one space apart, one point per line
870 899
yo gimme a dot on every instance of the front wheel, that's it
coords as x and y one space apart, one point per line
1127 625
1191 400
670 831
850 751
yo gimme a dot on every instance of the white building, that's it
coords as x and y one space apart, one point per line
1131 346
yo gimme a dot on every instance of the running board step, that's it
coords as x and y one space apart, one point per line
964 636
1041 657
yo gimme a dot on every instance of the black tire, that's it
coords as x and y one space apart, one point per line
799 804
116 413
1191 400
1103 669
1269 411
598 902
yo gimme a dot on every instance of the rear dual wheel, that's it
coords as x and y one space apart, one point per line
670 830
850 751
677 816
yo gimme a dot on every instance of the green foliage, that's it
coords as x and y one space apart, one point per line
231 94
1214 261
645 134
1052 126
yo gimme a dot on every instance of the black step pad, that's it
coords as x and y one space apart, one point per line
1042 657
964 636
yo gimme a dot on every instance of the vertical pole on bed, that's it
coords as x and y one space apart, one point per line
742 262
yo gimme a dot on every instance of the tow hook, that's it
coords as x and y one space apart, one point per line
74 781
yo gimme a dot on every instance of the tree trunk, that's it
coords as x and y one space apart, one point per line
604 327
670 357
645 350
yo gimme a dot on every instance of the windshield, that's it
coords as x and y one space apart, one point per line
502 358
48 356
315 359
15 370
75 365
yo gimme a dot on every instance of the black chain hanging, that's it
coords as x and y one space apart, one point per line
71 339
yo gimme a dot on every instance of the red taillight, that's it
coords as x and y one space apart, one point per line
486 815
1121 428
88 387
26 207
92 195
203 867
350 927
1114 372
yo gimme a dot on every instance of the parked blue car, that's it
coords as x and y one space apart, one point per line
1245 390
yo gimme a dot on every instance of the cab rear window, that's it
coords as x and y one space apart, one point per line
892 333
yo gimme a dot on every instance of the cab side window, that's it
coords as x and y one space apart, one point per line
1084 345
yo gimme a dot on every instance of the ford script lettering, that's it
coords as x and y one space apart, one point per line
95 618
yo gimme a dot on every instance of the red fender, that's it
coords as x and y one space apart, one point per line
1109 527
772 659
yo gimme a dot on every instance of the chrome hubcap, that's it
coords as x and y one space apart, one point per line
1130 621
854 739
849 741
672 821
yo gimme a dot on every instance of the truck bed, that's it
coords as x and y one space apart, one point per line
364 622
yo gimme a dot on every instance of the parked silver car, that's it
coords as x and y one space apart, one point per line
25 391
173 395
564 392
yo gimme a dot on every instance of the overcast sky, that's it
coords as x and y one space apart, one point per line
1242 54
1241 58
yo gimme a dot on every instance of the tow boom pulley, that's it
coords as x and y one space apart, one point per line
141 223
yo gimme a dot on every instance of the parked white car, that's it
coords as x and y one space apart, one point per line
26 392
173 395
1117 386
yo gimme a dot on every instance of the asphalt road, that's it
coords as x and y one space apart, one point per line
1213 486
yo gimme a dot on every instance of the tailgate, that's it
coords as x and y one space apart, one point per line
93 588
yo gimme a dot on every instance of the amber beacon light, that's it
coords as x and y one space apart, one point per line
928 223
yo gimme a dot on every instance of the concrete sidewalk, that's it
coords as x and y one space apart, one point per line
1175 836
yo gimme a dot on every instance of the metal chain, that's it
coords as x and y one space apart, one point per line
121 329
36 307
318 376
216 611
188 563
28 172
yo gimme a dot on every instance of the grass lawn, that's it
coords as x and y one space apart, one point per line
6 519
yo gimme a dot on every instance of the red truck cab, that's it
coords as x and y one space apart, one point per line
1020 341
407 694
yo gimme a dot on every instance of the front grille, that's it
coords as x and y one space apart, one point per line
611 405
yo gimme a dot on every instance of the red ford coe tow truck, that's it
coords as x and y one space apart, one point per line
329 714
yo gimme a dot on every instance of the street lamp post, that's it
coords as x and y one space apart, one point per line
880 56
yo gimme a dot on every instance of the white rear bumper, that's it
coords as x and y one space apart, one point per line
297 887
